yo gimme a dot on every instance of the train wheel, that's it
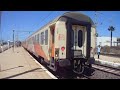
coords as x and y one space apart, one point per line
78 67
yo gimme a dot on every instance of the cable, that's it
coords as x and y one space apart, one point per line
43 20
45 17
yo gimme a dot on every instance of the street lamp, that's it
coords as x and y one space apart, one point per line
13 41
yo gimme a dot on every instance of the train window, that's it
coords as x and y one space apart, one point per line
46 37
38 38
35 38
30 40
42 38
80 38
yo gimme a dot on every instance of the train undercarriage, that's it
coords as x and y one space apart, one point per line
76 65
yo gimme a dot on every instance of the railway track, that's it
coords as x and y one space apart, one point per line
68 74
96 72
111 55
106 69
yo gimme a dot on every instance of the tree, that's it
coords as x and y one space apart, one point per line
111 29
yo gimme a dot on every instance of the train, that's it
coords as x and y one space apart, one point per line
5 46
68 41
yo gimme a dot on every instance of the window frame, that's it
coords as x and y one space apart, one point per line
37 38
80 38
42 38
46 37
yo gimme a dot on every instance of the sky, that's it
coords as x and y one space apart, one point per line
27 22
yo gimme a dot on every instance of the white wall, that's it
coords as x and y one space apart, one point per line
103 41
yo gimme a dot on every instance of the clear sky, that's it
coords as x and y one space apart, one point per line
25 21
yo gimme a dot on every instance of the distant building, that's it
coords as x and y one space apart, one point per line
118 41
106 41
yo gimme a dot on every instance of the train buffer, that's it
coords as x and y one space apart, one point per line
21 65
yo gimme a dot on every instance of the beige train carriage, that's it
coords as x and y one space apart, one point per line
65 41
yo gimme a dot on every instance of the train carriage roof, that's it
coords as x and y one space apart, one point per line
74 15
78 16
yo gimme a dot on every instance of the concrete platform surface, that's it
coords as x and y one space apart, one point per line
110 61
20 65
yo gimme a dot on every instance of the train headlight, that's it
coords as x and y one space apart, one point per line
56 55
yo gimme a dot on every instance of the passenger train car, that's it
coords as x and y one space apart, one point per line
67 41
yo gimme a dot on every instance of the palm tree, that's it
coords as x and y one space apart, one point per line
111 28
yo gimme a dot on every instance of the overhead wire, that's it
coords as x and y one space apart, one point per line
44 18
41 21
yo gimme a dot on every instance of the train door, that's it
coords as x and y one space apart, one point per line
51 42
79 41
52 47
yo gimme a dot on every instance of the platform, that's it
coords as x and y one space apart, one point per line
19 64
108 61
